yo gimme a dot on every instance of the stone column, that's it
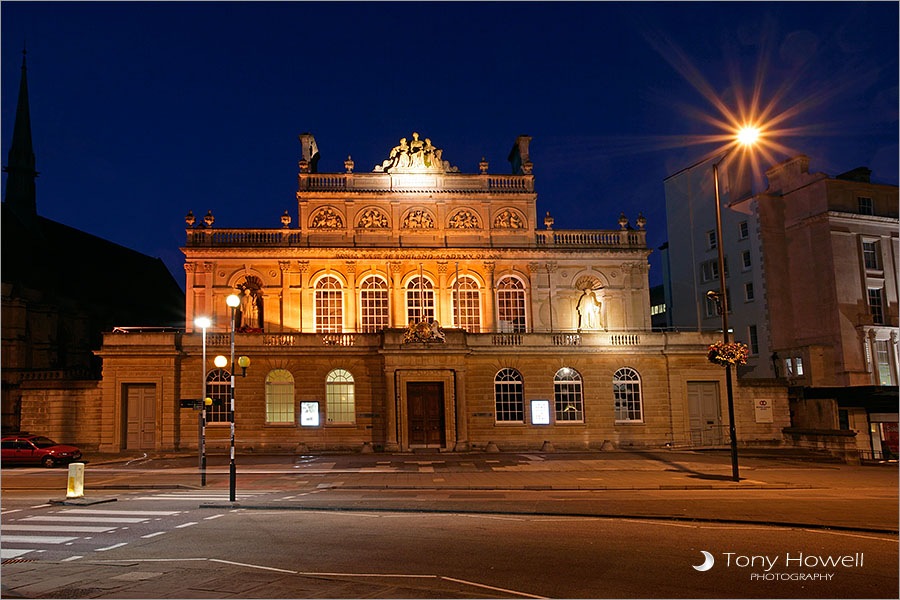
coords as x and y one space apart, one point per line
351 320
873 358
488 319
531 297
462 422
305 308
551 294
285 305
190 296
398 317
206 307
443 310
390 411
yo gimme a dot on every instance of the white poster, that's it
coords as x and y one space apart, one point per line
309 414
540 412
763 410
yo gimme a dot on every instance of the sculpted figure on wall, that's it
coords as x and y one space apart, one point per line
249 310
418 219
464 219
372 219
417 155
588 308
508 220
327 219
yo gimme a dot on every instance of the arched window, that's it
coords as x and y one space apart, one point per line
373 304
509 401
419 300
329 305
567 393
340 400
466 299
218 387
511 304
279 396
627 395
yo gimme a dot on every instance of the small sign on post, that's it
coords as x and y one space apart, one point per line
193 403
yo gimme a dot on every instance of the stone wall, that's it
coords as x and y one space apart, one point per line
68 412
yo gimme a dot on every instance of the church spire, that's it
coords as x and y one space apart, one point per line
20 189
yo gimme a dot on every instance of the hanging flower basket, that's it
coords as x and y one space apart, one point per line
728 354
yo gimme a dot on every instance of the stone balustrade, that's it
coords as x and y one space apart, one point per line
592 238
504 184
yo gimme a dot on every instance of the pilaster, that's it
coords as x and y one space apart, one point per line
489 319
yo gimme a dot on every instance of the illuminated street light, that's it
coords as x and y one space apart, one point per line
203 323
220 361
748 137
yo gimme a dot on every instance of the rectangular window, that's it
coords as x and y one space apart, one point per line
799 363
746 260
875 306
744 230
754 340
748 291
870 255
712 309
865 206
843 419
788 367
882 359
711 240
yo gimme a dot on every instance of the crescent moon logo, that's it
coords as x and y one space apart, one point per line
707 564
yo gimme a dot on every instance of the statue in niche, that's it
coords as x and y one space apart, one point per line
464 219
249 310
588 308
372 219
327 219
508 220
418 219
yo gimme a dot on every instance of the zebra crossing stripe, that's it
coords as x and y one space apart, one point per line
36 539
88 519
58 528
12 552
124 513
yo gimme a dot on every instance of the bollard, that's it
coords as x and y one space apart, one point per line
76 480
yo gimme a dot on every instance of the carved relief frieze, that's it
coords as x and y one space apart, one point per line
465 219
372 218
327 218
508 219
418 219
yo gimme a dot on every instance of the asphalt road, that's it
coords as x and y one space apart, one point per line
192 552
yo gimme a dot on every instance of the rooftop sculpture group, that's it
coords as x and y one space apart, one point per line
415 156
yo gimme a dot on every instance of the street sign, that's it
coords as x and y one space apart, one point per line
194 403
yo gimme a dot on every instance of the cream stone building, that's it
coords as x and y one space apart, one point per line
411 305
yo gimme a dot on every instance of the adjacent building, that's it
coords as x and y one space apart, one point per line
811 277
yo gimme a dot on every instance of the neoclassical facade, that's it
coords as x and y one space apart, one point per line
417 306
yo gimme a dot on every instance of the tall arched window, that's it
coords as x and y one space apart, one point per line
373 304
511 304
567 393
340 397
279 396
509 401
466 300
329 305
627 395
218 387
419 300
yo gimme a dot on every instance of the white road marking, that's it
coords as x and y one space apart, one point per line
868 537
39 506
6 512
89 520
36 539
228 562
150 535
186 524
57 528
119 545
212 517
12 552
76 557
490 587
134 513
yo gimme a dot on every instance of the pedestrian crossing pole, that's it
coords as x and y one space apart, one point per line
232 302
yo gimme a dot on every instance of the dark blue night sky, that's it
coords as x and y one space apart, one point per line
142 111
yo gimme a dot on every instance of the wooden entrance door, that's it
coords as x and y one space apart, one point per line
140 417
706 414
425 413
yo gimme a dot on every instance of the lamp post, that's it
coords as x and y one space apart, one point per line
203 323
746 137
233 301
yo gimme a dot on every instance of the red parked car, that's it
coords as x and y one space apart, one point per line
19 449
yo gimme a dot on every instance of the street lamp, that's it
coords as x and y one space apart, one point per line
233 301
746 137
203 323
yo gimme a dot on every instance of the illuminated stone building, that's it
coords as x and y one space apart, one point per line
411 305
